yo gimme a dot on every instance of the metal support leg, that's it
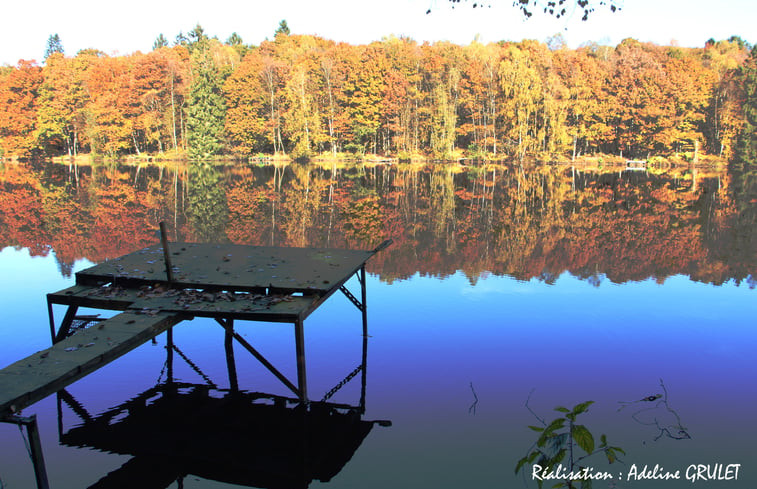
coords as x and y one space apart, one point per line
230 363
364 310
51 318
40 473
363 375
363 295
169 355
59 405
299 339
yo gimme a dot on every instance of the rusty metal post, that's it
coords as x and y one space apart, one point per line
166 254
299 339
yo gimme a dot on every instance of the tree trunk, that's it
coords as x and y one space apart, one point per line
574 148
173 115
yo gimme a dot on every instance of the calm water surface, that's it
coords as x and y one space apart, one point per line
505 285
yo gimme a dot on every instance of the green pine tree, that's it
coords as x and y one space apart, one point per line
235 40
54 45
160 42
208 209
744 163
282 30
746 147
206 108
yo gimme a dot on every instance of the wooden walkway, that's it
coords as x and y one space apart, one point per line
48 371
223 282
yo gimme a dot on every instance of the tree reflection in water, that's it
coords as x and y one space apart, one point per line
522 221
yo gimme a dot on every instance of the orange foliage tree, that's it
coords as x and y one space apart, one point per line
19 100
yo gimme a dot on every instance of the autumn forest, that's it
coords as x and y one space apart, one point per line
302 96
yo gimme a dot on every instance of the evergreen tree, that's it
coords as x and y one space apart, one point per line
160 42
208 209
206 108
747 143
54 45
197 34
181 39
234 39
283 29
744 164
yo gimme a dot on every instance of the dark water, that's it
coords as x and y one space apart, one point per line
505 285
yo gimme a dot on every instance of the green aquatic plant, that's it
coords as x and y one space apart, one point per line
562 446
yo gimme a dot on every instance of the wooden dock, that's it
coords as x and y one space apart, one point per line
157 288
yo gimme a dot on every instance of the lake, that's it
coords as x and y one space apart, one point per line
509 291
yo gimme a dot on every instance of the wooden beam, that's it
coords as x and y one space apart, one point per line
48 371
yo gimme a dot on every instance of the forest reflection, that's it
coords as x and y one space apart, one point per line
522 221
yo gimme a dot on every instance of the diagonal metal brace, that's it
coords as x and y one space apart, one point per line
194 366
260 358
342 383
352 298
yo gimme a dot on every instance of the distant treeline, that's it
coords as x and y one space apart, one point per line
303 95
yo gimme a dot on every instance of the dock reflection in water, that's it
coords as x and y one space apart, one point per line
251 439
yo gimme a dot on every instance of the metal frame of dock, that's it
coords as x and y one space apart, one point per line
160 286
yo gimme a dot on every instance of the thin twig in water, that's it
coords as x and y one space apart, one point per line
472 408
680 431
541 420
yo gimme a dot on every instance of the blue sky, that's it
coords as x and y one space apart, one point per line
126 27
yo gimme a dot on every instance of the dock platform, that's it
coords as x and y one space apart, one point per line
156 288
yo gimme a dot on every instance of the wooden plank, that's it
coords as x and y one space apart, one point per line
45 372
233 267
114 298
250 307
